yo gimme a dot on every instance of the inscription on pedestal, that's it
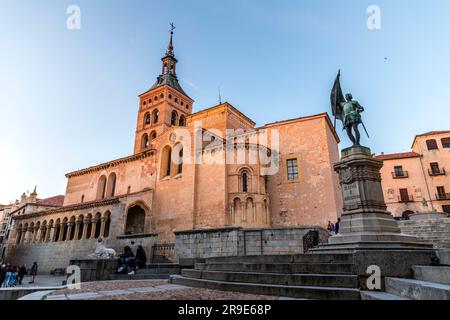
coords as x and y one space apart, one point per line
351 195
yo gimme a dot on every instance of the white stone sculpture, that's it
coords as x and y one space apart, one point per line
101 252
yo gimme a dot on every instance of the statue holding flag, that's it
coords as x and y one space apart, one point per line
347 110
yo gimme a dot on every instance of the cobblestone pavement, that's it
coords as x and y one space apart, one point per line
146 290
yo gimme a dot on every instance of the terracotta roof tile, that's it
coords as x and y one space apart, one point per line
53 201
401 155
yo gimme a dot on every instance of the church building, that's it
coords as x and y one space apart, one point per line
189 170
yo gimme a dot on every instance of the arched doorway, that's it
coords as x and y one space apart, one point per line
406 214
135 220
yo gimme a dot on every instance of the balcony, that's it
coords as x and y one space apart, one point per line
437 172
400 174
406 199
443 196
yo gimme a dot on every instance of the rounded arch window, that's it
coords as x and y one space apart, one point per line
147 118
145 141
174 118
182 121
155 116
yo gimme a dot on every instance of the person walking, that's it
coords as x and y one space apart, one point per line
2 274
8 276
337 225
141 257
22 273
33 273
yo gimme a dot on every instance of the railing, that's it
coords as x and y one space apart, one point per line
443 196
437 172
406 199
163 252
400 175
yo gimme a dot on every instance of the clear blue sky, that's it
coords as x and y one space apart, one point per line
68 99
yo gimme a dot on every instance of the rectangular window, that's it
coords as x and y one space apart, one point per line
432 144
404 195
445 142
292 169
446 209
441 191
435 168
399 171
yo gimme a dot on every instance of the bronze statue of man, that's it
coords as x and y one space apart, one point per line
347 110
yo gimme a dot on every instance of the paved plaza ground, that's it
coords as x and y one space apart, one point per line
146 290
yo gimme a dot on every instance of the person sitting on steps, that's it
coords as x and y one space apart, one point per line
127 261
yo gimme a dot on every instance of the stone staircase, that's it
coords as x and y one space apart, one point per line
151 271
434 230
305 276
429 283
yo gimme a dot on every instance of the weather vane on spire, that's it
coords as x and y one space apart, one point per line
172 28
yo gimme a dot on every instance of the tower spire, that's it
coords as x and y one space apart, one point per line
170 46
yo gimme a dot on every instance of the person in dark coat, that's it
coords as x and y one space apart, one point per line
337 225
141 257
22 272
126 260
2 274
34 270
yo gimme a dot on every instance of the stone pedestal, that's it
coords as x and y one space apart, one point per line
365 222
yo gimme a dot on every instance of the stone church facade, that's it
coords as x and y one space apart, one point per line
189 171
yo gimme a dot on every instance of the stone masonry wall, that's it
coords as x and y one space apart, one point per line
224 242
52 255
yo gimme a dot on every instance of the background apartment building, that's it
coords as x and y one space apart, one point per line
417 181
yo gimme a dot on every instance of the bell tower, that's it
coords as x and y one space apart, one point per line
164 105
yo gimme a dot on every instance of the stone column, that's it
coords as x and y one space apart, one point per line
30 234
61 230
51 233
43 234
69 230
85 228
77 229
94 226
103 225
36 234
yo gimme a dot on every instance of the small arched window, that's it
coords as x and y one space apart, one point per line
145 141
244 181
152 136
111 185
101 188
174 118
147 119
182 121
180 161
155 116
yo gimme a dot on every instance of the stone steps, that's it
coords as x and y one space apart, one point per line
287 268
432 274
304 292
378 295
299 258
417 289
139 276
316 280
